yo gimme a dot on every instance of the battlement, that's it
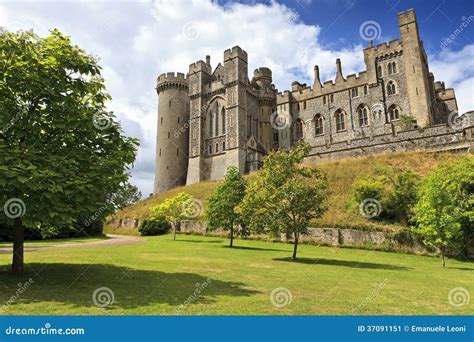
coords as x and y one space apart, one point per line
171 80
262 73
199 66
390 46
236 51
407 17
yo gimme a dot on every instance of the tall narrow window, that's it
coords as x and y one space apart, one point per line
161 121
332 98
394 67
340 121
363 116
169 103
379 71
299 130
223 120
391 88
390 68
304 105
210 149
217 123
366 90
355 92
324 100
217 148
394 113
318 124
211 122
223 146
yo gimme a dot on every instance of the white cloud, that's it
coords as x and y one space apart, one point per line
138 41
456 69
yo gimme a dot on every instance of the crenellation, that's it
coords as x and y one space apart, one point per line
237 121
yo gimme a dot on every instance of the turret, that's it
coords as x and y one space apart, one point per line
172 137
263 77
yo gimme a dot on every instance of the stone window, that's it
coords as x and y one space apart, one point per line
324 100
392 68
366 90
210 149
394 113
298 107
223 120
178 119
177 151
340 121
363 116
304 105
160 152
332 98
168 135
379 71
318 125
216 116
298 129
391 88
169 103
211 121
161 121
223 146
217 147
354 92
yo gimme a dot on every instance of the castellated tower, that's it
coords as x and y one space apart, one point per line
172 137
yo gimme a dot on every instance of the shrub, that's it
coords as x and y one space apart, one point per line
368 188
155 226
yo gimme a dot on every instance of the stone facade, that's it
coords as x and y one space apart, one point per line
211 119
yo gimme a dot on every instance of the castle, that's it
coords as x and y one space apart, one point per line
210 119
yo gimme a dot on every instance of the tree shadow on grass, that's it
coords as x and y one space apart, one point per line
257 248
132 288
345 263
200 241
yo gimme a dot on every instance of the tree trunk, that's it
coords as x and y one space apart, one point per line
18 243
174 230
231 236
443 261
295 246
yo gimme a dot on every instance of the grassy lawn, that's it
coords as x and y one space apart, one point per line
156 277
32 243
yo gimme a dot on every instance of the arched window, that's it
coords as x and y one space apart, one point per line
223 120
217 123
394 67
394 113
391 88
390 68
211 123
318 124
298 129
340 120
363 116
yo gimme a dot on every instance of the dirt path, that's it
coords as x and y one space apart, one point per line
112 240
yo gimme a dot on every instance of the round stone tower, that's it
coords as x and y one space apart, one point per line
172 136
267 103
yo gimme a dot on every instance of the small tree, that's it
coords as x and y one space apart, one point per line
285 197
444 213
222 205
174 210
125 196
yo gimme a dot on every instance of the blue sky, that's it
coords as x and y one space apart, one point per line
137 41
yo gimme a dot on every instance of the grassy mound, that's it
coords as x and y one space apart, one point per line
341 175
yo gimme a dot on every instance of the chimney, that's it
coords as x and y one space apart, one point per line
317 81
339 77
208 60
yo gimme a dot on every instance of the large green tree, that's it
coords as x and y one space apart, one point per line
444 214
62 154
285 196
222 206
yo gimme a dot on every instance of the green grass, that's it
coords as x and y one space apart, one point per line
341 175
156 277
32 243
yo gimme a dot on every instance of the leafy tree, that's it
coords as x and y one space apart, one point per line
403 195
222 206
62 154
125 196
444 214
175 209
285 197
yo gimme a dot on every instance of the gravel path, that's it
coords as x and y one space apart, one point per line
112 240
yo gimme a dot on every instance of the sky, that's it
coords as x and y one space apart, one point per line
137 41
